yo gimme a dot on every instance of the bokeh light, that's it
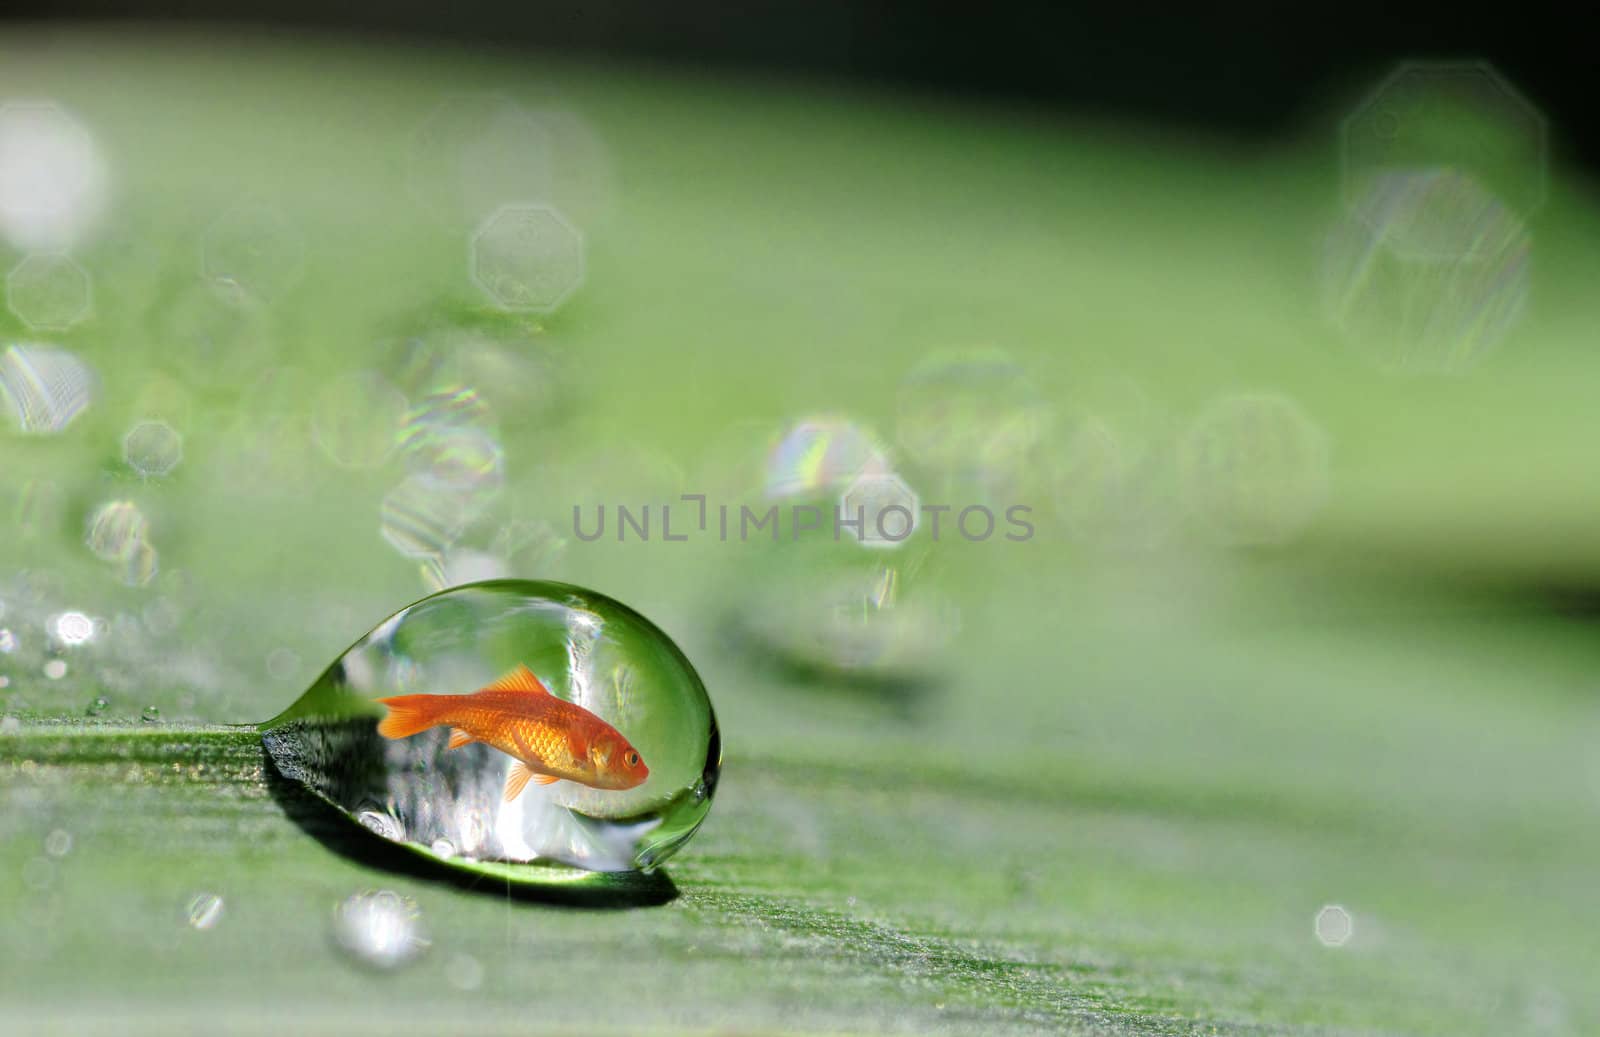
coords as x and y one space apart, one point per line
527 258
43 388
52 176
49 292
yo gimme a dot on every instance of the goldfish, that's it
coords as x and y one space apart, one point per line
548 738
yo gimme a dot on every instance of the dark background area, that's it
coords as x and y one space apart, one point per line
1247 72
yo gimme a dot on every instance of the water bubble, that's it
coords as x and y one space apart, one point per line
49 292
1429 273
379 929
252 251
1254 469
822 456
150 714
886 509
356 419
527 258
43 388
52 178
472 153
588 650
55 669
464 972
205 911
72 629
152 448
97 706
58 843
1334 926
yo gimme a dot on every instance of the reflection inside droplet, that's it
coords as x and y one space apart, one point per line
589 651
380 929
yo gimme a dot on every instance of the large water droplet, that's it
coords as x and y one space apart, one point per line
588 650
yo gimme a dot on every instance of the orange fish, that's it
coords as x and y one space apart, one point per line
549 738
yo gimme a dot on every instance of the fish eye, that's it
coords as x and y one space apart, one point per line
632 759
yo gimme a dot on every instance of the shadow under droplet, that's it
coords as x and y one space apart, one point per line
346 837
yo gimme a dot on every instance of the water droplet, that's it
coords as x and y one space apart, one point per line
1254 469
822 456
1334 926
444 848
205 911
464 972
44 389
96 707
55 669
152 448
588 650
379 929
381 823
527 258
150 714
71 629
58 843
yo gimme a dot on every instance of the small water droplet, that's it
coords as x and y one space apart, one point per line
150 714
205 910
383 824
55 669
58 843
379 929
1334 926
444 848
96 707
464 972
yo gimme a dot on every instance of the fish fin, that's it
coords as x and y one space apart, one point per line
458 738
545 779
517 780
518 679
408 715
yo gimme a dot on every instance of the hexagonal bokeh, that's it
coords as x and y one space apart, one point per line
252 251
51 175
887 507
49 292
527 257
1428 274
1459 115
1255 469
152 448
475 152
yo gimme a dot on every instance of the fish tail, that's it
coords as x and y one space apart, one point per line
410 714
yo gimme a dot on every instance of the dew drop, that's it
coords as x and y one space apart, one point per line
449 803
150 715
58 843
379 929
96 707
464 972
205 911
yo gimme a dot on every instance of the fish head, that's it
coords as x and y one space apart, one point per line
616 762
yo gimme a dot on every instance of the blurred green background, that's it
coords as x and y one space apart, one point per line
1332 650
